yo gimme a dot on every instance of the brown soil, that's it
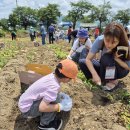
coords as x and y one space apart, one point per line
89 111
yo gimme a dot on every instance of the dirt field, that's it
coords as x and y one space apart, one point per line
90 111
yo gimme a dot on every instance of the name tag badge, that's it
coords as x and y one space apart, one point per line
110 72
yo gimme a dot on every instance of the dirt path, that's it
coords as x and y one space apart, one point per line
89 111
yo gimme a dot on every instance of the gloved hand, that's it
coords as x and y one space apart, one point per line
69 57
65 103
63 95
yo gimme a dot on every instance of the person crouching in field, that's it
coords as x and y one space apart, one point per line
115 58
13 35
43 98
82 43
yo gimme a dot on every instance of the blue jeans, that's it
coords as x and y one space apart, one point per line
80 56
43 39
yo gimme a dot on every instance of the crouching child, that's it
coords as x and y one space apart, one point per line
43 98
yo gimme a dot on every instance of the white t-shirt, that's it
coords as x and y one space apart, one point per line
57 33
78 47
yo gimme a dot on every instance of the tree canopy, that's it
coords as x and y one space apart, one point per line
13 20
49 14
82 11
101 13
78 11
4 23
24 16
123 16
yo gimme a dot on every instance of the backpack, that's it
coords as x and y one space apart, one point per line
51 29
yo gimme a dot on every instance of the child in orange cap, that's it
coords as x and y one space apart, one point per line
43 99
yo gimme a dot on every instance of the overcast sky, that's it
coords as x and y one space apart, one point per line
6 6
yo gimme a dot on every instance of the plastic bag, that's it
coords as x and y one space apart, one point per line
65 101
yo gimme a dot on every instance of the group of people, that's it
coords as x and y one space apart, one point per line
104 70
43 98
113 63
72 34
43 33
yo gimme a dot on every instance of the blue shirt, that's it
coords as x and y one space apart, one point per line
98 45
42 30
51 29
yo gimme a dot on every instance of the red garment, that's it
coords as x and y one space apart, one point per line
97 31
69 31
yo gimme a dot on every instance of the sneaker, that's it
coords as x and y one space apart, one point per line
110 86
54 125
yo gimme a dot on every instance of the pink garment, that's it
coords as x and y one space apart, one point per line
45 89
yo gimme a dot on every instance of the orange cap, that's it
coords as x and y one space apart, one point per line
69 68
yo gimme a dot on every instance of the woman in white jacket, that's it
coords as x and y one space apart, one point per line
82 42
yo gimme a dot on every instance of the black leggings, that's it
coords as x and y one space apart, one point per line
51 38
107 60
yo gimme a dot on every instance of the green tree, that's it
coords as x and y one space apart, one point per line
101 13
123 16
4 23
26 16
78 11
13 20
87 19
49 14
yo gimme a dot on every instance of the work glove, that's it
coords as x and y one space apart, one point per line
69 57
63 95
65 102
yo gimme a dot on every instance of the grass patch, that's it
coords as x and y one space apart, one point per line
88 82
31 55
60 53
125 116
10 50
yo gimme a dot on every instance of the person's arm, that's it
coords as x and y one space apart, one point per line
74 47
96 47
50 95
47 107
64 105
91 68
71 52
122 63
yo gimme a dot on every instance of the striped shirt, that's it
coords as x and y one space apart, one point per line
46 89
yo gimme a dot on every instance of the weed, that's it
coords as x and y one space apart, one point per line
31 55
58 51
125 117
88 82
6 54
